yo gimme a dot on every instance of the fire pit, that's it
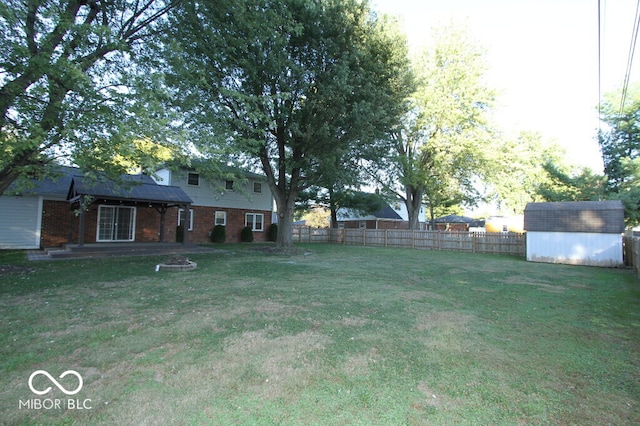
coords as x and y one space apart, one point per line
176 263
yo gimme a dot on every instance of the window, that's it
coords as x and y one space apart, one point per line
362 224
220 218
257 187
340 225
228 184
255 221
193 179
116 223
181 218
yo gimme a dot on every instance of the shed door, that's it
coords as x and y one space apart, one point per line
116 223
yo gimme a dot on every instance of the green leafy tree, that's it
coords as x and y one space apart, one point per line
517 170
285 84
629 190
441 143
565 184
68 80
619 139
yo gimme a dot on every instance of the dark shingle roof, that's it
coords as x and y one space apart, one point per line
575 216
55 185
140 188
452 218
387 212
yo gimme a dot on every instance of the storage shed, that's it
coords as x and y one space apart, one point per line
577 233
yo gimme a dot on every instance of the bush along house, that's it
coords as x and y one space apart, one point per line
70 208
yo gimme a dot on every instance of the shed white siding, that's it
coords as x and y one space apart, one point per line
20 222
589 249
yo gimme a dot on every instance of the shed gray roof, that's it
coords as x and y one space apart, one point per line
605 217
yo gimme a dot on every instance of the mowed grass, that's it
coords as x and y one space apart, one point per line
329 335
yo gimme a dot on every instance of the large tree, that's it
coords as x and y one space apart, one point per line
520 166
286 84
68 74
619 137
442 143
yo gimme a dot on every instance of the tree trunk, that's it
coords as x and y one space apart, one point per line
285 222
333 209
413 202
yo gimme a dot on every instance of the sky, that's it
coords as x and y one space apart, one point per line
542 57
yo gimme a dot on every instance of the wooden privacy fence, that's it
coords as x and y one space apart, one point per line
632 253
477 242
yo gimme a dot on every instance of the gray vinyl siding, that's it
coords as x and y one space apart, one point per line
20 222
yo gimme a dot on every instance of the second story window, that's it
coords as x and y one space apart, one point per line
193 179
228 185
257 187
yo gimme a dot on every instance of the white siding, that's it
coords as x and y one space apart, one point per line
20 221
215 195
162 177
577 248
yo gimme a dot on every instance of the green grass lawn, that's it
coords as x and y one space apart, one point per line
329 335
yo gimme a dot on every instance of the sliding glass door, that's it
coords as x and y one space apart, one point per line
116 223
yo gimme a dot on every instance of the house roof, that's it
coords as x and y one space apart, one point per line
452 218
605 217
140 188
387 212
55 185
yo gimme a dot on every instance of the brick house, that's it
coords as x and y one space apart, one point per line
141 210
390 216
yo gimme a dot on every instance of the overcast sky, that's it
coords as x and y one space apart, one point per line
543 59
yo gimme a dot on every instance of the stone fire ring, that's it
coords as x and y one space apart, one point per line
177 268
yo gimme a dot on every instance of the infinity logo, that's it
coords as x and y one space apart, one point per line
55 382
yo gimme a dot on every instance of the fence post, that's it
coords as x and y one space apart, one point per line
636 255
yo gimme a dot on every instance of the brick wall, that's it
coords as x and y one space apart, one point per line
61 226
203 218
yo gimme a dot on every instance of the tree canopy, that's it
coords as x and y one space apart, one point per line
441 144
286 85
70 82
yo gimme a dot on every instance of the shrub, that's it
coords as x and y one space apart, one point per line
272 235
246 235
219 234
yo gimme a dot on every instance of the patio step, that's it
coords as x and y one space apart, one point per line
70 251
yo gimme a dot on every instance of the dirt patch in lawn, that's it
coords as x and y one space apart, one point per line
14 269
434 320
278 366
542 285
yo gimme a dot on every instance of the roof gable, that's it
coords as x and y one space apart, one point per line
605 217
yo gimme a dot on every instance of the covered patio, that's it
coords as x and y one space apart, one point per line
112 207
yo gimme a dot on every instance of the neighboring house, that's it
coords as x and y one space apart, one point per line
454 222
505 224
141 210
390 216
578 233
